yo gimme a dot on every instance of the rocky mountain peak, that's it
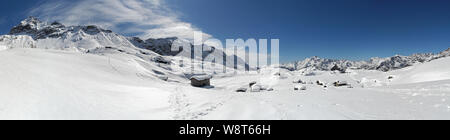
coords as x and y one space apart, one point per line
31 25
37 29
33 21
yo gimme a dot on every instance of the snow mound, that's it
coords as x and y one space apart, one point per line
3 48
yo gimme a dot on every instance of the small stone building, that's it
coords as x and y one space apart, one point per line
340 83
201 81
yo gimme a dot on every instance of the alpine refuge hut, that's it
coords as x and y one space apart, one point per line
201 80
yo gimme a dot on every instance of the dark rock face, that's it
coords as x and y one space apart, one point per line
26 29
49 32
336 68
252 83
28 26
396 62
92 29
161 46
161 60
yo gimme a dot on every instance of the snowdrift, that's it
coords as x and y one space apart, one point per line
436 70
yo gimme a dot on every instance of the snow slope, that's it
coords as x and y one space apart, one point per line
53 84
3 48
42 84
433 71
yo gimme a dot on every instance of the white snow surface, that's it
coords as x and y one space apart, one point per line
57 84
83 72
3 48
438 70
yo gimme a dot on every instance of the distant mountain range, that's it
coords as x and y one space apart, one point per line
381 64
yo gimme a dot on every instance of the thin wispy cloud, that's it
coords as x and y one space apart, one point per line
143 18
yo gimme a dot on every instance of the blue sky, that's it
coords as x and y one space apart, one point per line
13 11
342 29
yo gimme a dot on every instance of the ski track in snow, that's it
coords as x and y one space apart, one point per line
183 109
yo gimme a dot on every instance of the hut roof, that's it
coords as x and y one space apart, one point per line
201 77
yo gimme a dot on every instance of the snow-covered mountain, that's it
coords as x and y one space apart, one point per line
33 33
381 64
163 46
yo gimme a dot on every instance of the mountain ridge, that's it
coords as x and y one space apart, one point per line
376 63
33 33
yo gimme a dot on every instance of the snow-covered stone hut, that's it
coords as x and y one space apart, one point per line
201 80
340 83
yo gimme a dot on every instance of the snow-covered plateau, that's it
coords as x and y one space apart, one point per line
49 71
